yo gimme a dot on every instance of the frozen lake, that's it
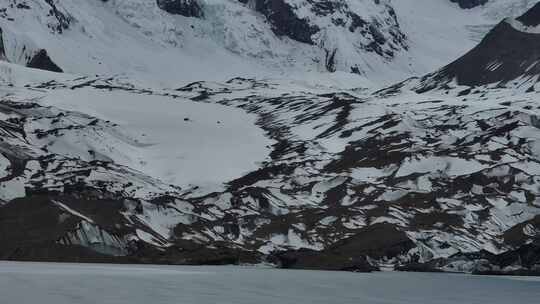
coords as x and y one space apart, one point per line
48 283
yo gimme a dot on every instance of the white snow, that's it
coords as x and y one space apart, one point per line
90 283
176 140
12 189
447 165
4 165
148 238
74 212
233 40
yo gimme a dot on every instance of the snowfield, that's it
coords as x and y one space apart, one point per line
78 283
175 140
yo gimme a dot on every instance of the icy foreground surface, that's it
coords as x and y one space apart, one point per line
76 283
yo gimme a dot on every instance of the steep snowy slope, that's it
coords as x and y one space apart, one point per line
89 37
173 41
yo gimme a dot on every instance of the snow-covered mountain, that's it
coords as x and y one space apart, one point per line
275 36
378 40
225 131
507 56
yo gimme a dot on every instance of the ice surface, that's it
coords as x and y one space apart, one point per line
77 283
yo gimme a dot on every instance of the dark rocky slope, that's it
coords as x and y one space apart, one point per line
42 61
284 20
469 3
504 55
187 8
531 17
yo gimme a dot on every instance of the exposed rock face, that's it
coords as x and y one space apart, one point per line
2 49
50 232
326 23
187 8
327 260
41 232
469 3
42 61
62 19
284 20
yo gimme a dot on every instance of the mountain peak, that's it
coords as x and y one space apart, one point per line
531 17
510 51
